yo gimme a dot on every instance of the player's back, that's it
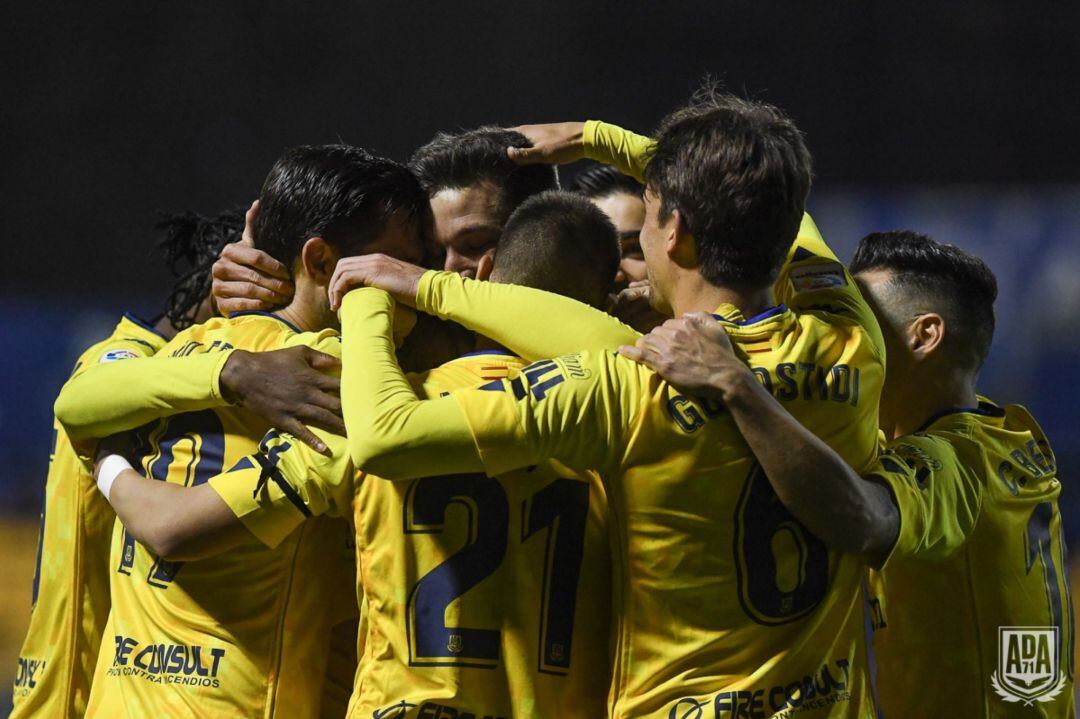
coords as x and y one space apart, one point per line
726 605
71 587
986 628
486 597
731 607
243 633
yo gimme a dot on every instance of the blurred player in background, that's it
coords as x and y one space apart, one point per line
960 514
726 603
71 583
619 196
249 632
538 557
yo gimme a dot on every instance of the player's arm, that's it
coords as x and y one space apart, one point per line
846 511
813 279
563 142
492 428
289 388
173 521
531 323
265 495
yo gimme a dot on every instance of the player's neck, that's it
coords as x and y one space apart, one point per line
693 293
165 328
938 393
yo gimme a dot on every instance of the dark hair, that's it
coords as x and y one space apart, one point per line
954 283
560 242
604 180
341 193
738 172
191 243
452 161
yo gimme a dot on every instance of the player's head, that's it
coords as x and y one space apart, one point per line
559 242
725 191
191 243
619 197
322 203
935 304
473 188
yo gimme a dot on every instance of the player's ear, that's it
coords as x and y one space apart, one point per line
678 242
485 266
925 335
319 260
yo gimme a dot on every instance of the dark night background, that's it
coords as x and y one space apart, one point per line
113 110
955 118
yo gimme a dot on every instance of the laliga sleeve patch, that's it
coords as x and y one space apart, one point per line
114 355
818 277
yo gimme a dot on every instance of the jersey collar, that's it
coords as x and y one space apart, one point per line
271 315
986 408
730 313
136 320
482 353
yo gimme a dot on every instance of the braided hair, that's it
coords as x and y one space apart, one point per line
191 243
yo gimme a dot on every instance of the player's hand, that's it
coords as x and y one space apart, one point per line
249 279
400 279
693 353
633 306
555 143
289 388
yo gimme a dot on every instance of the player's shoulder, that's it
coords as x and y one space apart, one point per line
953 444
253 331
929 451
468 370
131 337
327 341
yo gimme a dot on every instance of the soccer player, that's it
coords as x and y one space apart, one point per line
619 196
473 188
961 511
248 632
727 605
71 583
507 580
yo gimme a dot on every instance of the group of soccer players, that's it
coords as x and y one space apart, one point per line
444 441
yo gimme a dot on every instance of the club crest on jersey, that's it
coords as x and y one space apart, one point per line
455 643
114 355
1029 665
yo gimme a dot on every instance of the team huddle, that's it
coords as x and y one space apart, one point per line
441 440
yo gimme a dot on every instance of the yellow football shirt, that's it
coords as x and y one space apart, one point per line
980 551
246 633
726 603
748 616
485 597
71 586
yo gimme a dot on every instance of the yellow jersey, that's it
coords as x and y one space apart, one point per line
972 608
484 597
246 633
71 587
727 606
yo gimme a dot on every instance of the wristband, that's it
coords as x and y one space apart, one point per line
110 469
